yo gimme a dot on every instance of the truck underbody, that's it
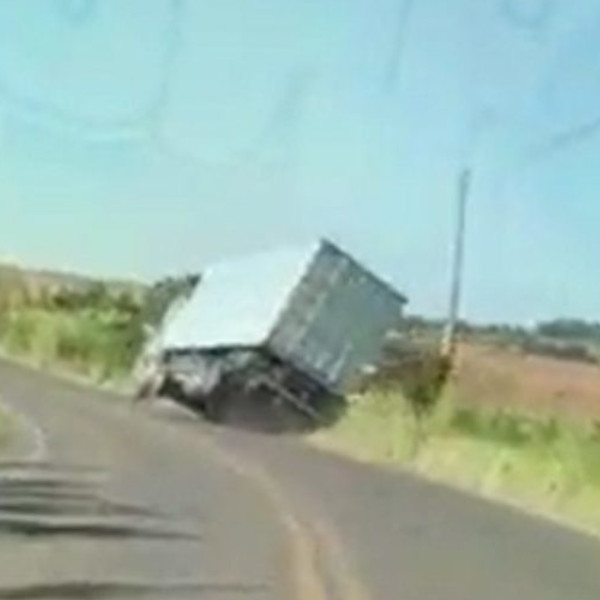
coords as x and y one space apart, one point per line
232 384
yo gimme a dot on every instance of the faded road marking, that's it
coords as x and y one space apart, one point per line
308 581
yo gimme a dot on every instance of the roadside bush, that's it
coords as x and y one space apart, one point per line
19 331
503 427
103 344
466 421
410 378
422 382
551 464
76 343
103 347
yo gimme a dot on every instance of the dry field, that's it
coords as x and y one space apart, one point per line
496 377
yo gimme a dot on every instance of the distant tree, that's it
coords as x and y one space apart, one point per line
570 329
66 299
418 324
160 297
96 296
126 304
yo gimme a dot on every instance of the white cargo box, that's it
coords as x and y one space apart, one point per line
316 308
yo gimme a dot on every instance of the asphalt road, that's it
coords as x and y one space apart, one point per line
100 500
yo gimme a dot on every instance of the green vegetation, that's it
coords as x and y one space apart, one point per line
99 344
92 330
410 414
547 465
419 374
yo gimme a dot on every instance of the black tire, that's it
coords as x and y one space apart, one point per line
143 391
213 407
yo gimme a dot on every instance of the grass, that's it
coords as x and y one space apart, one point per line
98 345
545 464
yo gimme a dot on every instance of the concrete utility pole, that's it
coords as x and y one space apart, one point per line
449 338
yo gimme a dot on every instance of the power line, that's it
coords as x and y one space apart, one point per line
144 123
147 124
77 11
566 139
528 14
282 124
399 42
172 46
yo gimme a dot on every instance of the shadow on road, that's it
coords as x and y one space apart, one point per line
37 504
53 501
99 591
257 413
44 466
34 503
39 527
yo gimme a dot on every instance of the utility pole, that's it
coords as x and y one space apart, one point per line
449 338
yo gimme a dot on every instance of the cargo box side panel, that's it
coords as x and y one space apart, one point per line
336 320
238 302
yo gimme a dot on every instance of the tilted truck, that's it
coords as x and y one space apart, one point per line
295 325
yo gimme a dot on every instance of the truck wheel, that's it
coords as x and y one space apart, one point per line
212 410
149 388
142 391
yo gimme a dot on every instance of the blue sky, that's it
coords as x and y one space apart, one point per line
142 137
